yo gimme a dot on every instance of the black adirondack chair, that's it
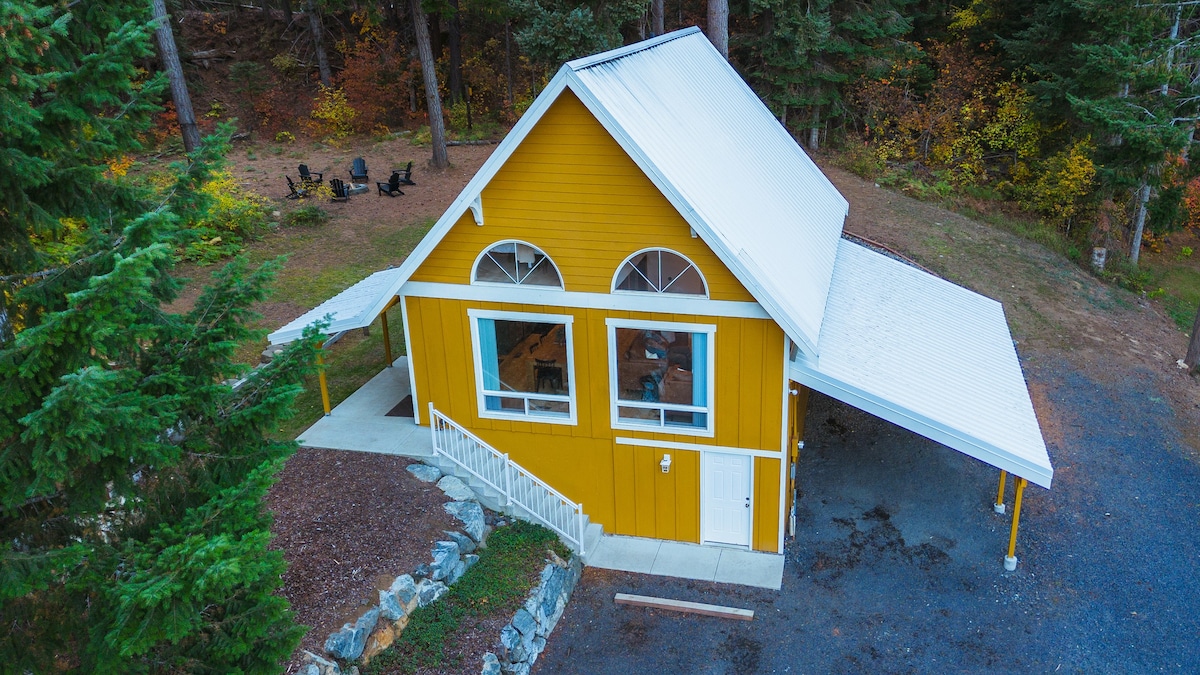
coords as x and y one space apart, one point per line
340 192
295 191
307 176
405 175
392 187
358 170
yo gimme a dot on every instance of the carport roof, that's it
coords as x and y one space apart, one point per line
354 307
929 356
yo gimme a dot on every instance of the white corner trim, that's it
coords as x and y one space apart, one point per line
408 351
784 451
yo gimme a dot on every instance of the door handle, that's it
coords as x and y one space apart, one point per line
747 502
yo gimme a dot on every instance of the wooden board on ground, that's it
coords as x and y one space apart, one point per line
684 606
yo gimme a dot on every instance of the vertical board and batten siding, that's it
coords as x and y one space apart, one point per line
620 485
570 190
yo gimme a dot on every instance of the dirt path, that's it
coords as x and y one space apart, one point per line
364 235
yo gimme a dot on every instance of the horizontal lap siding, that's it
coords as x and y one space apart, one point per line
570 190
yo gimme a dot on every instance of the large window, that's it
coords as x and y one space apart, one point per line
658 270
523 365
515 262
662 375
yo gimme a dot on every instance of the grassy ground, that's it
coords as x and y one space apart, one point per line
493 589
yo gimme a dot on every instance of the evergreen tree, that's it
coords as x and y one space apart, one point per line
1114 72
805 54
131 475
552 32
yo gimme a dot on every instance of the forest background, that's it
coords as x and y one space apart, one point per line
1077 112
131 477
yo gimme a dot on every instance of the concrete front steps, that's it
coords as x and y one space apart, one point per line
494 500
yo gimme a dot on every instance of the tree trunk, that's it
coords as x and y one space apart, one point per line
718 25
1139 222
179 89
314 24
1193 352
455 85
437 128
508 80
656 17
814 132
286 6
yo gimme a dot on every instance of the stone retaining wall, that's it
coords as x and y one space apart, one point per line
521 641
524 638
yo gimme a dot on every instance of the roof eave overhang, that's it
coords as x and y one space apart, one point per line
956 439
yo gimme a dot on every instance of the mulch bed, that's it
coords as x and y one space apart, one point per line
349 523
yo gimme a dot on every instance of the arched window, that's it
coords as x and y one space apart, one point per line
658 270
515 262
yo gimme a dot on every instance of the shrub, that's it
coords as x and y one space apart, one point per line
309 214
332 115
234 215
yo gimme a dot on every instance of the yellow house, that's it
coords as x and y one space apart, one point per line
634 295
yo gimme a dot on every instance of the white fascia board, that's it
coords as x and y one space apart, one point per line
951 438
475 187
729 258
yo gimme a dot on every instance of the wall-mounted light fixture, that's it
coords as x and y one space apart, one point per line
665 464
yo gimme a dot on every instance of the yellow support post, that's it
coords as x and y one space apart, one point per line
321 378
1010 561
387 338
998 507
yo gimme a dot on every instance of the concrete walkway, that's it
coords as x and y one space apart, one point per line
361 422
687 561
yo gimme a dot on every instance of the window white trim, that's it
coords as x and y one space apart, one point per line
615 401
545 259
694 266
476 356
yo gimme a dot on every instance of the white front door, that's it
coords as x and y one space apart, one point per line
726 498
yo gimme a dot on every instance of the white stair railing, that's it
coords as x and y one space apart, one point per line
518 486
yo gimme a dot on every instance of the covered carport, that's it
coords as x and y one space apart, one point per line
933 358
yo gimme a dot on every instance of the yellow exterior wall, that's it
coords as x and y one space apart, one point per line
571 191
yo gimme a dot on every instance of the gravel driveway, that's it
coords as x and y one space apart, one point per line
897 563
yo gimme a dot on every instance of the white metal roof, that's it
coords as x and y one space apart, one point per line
927 355
354 307
738 177
714 150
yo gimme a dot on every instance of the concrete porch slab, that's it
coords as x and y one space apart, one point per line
360 423
687 561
